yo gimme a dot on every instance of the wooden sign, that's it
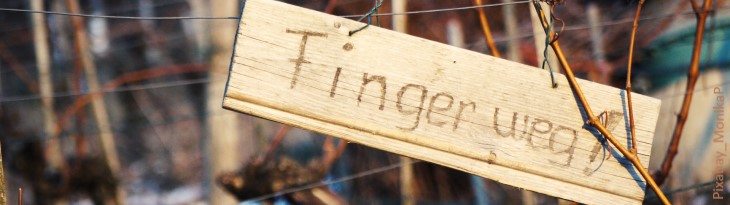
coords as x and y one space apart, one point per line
472 112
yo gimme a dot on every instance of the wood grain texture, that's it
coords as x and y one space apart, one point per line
422 99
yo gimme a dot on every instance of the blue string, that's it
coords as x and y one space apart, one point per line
378 4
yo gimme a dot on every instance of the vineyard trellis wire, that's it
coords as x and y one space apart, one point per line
472 45
181 83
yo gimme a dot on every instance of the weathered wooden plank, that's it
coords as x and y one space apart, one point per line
422 99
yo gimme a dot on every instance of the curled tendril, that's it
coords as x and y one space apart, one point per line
556 35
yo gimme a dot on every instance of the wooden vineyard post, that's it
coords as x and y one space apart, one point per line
106 138
483 115
42 55
510 24
3 185
222 130
597 47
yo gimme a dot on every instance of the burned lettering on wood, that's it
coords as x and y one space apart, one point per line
534 129
571 148
540 134
432 107
462 105
418 109
538 131
334 82
511 132
302 45
286 69
592 158
366 80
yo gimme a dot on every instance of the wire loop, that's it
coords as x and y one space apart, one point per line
374 10
549 39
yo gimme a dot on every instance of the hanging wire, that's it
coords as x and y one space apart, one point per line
374 10
548 39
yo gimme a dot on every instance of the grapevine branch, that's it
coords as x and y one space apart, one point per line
18 68
487 30
278 137
79 103
331 5
692 75
632 149
592 119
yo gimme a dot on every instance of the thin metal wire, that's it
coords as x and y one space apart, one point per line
325 183
442 10
126 128
119 17
374 10
569 28
286 191
548 39
687 188
583 27
130 88
236 17
203 81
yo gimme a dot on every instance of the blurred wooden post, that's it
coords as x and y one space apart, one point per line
1 81
510 24
3 188
199 31
400 24
597 52
223 136
594 21
40 39
109 151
